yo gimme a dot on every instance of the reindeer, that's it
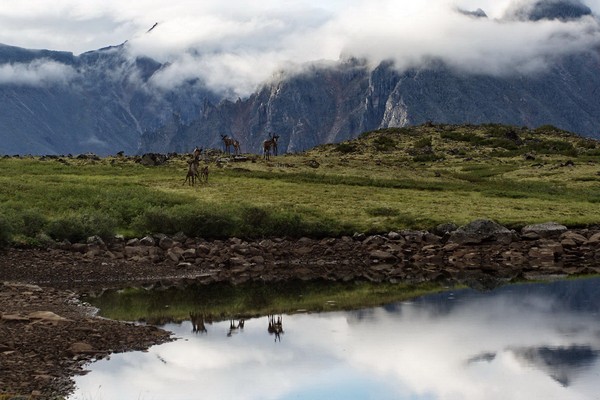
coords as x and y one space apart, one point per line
236 147
268 145
197 323
275 326
197 153
203 174
233 327
192 172
229 142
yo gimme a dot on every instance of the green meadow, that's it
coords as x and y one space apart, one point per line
392 179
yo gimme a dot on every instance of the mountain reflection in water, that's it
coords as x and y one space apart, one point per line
534 341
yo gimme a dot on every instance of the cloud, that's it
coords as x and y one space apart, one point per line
415 352
37 73
235 46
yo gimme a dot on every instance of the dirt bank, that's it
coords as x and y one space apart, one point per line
47 335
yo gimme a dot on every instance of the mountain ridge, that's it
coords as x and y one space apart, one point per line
108 103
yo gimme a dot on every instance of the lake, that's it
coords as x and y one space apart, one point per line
526 341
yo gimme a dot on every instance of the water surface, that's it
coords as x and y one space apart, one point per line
534 341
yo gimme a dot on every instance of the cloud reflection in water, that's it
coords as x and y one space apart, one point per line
520 342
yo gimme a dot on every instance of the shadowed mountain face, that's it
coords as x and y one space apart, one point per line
58 103
332 104
104 102
563 10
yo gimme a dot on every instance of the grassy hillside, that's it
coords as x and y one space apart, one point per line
385 180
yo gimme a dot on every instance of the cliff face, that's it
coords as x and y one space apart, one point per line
103 102
335 103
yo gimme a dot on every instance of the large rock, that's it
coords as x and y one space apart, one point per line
479 231
153 159
545 230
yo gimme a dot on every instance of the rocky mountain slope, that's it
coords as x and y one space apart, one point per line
335 103
104 101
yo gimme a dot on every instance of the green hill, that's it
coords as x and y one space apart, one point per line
392 179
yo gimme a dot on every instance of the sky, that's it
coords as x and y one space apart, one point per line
236 45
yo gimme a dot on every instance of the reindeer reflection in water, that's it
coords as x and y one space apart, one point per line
198 321
235 328
275 326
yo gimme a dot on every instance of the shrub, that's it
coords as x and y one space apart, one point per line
381 212
423 143
6 231
550 146
346 148
77 227
193 220
547 128
259 222
384 143
428 157
33 222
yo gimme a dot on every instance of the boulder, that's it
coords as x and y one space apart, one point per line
547 229
147 241
480 231
153 159
381 255
444 229
574 237
166 243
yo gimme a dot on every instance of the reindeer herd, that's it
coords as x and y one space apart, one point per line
196 174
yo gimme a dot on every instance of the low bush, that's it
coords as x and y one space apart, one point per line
76 227
6 231
423 143
346 148
218 222
201 221
381 212
384 143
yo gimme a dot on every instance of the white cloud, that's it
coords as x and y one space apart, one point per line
36 73
417 352
234 46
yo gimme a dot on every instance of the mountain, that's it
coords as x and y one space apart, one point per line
564 10
334 103
57 103
104 101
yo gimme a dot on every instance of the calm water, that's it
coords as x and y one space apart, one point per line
528 342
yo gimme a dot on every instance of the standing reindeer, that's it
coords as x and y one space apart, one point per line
192 172
229 142
203 174
236 147
268 145
197 153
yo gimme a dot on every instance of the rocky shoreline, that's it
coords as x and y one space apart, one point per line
47 335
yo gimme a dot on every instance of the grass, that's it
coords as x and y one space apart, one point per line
405 178
223 301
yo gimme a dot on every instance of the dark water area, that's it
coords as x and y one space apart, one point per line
527 341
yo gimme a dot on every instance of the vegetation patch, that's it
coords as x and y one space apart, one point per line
392 179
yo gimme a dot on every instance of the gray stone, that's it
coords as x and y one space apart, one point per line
443 229
479 231
547 229
147 241
166 243
381 255
395 236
